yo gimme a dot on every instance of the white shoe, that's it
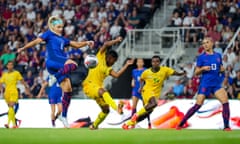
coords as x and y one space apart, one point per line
52 80
64 121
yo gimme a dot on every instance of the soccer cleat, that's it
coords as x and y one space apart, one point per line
19 122
65 122
14 127
92 127
52 80
128 127
53 123
120 107
179 128
125 127
134 118
149 126
6 125
227 129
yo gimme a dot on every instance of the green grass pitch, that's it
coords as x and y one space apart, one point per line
116 136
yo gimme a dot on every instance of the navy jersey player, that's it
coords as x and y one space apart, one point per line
136 94
209 65
54 99
57 63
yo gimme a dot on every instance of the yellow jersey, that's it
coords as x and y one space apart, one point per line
154 80
100 72
10 80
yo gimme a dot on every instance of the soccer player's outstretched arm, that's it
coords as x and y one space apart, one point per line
30 44
179 73
107 44
120 72
76 44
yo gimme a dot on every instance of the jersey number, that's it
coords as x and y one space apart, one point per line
213 66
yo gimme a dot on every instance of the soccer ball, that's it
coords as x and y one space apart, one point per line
90 61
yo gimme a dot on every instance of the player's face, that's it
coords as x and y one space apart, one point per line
155 62
140 62
207 44
58 28
110 60
10 66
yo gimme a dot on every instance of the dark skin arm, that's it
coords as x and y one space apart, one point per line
108 44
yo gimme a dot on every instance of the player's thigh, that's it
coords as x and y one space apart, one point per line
53 66
11 96
91 90
146 97
221 95
101 102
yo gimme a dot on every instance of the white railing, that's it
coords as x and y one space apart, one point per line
166 42
232 41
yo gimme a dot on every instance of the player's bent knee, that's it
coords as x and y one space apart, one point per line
105 109
151 105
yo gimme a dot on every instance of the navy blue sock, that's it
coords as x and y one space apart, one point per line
66 69
66 102
134 111
226 114
190 112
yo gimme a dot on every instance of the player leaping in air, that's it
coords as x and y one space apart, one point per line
57 63
93 85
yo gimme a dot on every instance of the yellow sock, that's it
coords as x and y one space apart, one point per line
108 99
141 112
100 118
130 123
11 116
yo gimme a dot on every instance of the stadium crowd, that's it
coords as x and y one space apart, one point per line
221 20
98 20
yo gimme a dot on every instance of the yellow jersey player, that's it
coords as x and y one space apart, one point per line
151 82
10 79
93 85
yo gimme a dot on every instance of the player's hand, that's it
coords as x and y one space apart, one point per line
140 90
90 44
206 68
119 39
130 61
20 50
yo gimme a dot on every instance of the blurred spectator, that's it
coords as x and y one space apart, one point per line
7 56
34 60
68 12
236 65
189 68
226 34
69 30
177 90
231 55
134 20
22 59
102 13
225 61
190 89
115 30
214 34
236 86
231 72
217 48
57 11
176 20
